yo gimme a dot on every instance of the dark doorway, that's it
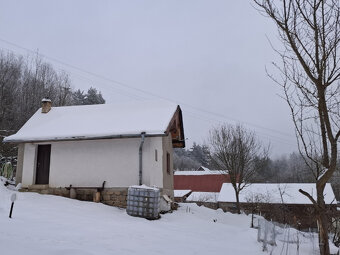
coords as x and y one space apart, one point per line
43 164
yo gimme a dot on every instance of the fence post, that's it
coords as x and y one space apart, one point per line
259 231
265 236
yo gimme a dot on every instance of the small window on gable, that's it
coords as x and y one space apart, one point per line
156 155
168 162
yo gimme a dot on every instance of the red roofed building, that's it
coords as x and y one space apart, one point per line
202 179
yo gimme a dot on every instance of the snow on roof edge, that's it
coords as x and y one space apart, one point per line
181 192
200 196
6 140
191 173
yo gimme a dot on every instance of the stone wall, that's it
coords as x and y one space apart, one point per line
109 196
64 192
210 205
301 216
114 196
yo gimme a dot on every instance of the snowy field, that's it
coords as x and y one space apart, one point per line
44 224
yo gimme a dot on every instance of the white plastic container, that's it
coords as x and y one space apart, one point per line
143 201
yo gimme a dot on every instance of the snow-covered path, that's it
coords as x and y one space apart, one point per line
44 224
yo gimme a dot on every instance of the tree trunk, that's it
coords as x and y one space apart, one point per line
322 223
323 235
238 202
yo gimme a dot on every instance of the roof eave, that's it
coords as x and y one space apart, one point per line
80 138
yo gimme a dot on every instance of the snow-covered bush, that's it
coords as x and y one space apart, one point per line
7 170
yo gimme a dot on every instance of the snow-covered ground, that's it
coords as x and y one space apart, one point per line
44 224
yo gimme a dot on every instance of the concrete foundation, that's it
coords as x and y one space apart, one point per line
110 196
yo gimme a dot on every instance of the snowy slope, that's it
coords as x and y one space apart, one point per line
44 224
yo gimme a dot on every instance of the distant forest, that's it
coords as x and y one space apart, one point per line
24 82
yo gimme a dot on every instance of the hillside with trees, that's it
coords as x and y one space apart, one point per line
24 82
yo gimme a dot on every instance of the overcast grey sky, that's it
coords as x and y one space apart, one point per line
209 56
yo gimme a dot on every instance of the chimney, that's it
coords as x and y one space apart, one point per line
46 104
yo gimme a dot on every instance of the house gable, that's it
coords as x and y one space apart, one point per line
176 129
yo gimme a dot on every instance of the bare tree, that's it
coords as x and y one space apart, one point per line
236 150
10 71
255 200
310 75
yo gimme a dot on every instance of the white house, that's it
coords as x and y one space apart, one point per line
83 146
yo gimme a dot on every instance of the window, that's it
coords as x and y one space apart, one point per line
156 156
168 162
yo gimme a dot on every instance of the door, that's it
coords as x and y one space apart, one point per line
43 164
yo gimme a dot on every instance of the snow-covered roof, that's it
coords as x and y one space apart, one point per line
271 193
203 197
97 121
203 168
199 172
181 193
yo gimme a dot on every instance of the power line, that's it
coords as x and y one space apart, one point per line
83 70
270 137
145 91
119 91
116 90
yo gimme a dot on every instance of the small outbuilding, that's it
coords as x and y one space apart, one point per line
99 148
202 180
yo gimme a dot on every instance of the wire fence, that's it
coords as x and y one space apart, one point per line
279 239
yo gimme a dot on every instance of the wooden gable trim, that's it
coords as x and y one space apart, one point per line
175 128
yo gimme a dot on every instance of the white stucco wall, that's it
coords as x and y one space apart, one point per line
20 163
168 178
28 168
89 163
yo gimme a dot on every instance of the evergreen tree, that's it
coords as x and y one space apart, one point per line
93 97
201 154
78 97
